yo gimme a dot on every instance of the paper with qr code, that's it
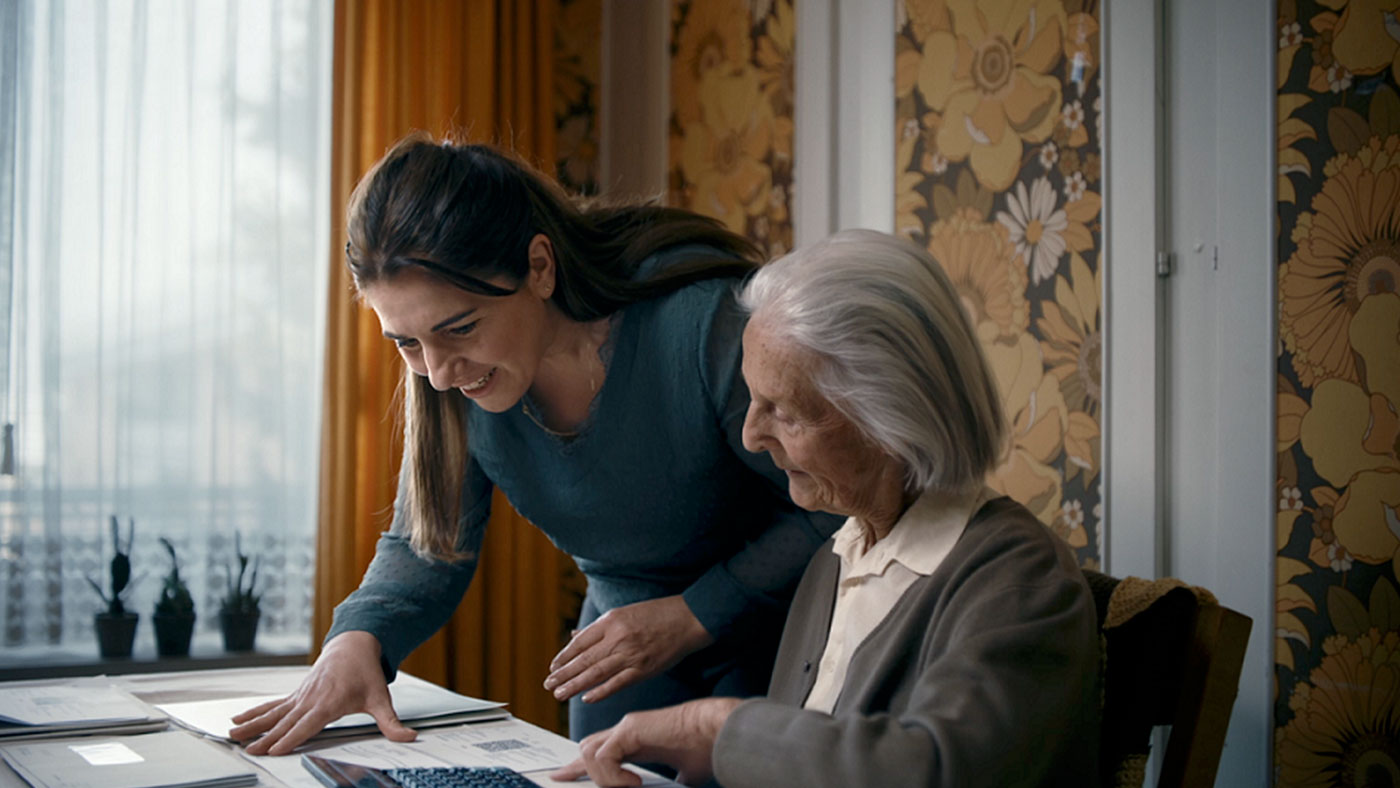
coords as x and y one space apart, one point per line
511 743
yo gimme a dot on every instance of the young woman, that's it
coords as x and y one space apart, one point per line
586 362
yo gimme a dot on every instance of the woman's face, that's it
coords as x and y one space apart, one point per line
487 347
831 466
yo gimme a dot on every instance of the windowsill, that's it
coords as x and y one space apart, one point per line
206 653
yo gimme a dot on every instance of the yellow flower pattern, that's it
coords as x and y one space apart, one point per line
1337 612
998 117
1345 716
732 115
990 77
1348 248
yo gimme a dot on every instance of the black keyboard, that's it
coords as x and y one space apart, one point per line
460 777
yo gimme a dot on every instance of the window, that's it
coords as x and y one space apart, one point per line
164 182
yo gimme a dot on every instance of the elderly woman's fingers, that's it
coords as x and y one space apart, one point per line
603 756
570 771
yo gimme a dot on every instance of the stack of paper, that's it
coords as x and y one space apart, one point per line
173 759
418 703
511 743
32 712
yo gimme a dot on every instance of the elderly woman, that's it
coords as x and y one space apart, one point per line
943 636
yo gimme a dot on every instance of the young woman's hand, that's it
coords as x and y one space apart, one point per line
624 646
680 736
345 679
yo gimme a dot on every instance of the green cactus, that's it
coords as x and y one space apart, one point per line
238 598
175 599
120 569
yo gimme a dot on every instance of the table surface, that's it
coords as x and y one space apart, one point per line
285 772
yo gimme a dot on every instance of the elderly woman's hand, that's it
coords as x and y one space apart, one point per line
680 736
624 646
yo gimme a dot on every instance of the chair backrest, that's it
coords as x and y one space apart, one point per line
1172 657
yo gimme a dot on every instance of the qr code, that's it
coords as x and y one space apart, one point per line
501 745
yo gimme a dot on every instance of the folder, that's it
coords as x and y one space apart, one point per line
171 759
418 704
34 712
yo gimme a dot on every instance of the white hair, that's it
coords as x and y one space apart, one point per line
897 354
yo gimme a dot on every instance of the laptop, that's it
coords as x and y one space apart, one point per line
341 774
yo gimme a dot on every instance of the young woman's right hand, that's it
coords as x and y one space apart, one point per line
345 679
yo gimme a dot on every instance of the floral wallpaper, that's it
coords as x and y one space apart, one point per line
1337 645
998 167
578 31
730 152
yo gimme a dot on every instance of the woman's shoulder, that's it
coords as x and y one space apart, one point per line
691 309
1003 532
657 262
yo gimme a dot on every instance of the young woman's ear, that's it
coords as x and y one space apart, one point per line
540 278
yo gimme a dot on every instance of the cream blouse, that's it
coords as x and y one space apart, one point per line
871 582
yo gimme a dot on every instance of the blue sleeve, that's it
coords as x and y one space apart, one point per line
404 598
758 581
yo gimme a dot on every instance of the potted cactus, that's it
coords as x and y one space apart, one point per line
116 627
174 613
240 609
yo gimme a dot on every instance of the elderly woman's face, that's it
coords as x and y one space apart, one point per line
831 466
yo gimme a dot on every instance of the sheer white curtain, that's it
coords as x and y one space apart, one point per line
163 255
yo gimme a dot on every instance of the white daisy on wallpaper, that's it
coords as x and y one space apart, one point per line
1034 225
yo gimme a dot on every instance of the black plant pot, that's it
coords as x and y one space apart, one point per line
240 629
115 634
173 633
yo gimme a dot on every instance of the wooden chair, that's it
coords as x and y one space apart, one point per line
1172 656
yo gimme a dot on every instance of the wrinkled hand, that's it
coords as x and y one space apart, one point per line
345 679
679 736
624 646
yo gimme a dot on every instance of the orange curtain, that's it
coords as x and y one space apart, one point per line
481 69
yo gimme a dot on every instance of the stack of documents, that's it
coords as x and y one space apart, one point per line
418 703
173 759
510 743
32 712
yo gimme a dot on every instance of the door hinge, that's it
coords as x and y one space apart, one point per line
1164 264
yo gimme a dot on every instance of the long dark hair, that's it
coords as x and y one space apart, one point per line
466 214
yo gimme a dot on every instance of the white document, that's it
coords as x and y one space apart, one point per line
417 702
66 705
193 685
107 753
447 747
510 743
